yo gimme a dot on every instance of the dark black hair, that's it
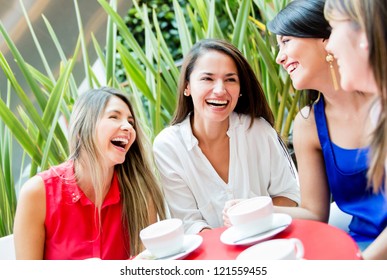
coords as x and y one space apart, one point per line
301 18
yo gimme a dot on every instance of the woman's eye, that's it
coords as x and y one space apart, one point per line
284 41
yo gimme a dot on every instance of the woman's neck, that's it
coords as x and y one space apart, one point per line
215 145
348 120
85 182
348 102
209 133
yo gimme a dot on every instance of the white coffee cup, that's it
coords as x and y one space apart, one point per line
163 238
251 216
275 249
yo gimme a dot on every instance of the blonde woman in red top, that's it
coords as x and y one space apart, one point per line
94 204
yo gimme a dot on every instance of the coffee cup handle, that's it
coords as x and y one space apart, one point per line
299 247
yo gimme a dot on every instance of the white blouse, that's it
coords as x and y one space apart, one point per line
193 189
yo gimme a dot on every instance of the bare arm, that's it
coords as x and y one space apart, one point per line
29 231
283 201
315 194
377 249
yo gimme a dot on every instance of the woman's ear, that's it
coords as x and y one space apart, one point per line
187 91
325 41
363 41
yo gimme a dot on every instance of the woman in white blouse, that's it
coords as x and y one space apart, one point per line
221 144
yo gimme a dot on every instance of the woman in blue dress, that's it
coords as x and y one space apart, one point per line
331 135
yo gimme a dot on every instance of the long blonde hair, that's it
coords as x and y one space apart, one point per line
138 184
370 16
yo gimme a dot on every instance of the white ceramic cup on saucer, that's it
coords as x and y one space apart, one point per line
163 238
251 216
275 249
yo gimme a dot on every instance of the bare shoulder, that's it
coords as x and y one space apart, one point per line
305 117
305 129
30 217
31 206
33 190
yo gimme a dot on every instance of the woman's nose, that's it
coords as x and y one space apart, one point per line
126 125
280 59
219 87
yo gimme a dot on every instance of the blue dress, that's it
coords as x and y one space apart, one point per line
346 172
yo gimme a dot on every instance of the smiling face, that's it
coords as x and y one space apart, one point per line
115 132
214 87
350 48
304 60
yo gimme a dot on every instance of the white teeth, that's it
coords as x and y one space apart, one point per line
123 140
292 67
215 101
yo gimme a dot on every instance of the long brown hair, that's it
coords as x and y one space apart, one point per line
252 102
138 184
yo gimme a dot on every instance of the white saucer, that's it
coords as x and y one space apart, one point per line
255 253
191 243
279 219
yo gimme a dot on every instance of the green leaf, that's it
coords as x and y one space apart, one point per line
24 69
26 101
135 72
111 47
85 55
125 33
241 24
36 41
19 131
185 38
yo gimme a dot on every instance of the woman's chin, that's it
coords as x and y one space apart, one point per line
301 84
298 86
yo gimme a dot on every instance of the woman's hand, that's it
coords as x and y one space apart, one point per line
227 206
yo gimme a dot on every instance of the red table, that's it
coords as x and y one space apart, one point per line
321 242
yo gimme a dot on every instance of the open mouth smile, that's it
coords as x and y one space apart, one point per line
120 142
291 67
217 103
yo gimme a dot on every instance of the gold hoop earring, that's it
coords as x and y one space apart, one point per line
329 58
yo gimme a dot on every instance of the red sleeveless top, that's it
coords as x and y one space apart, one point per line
72 224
